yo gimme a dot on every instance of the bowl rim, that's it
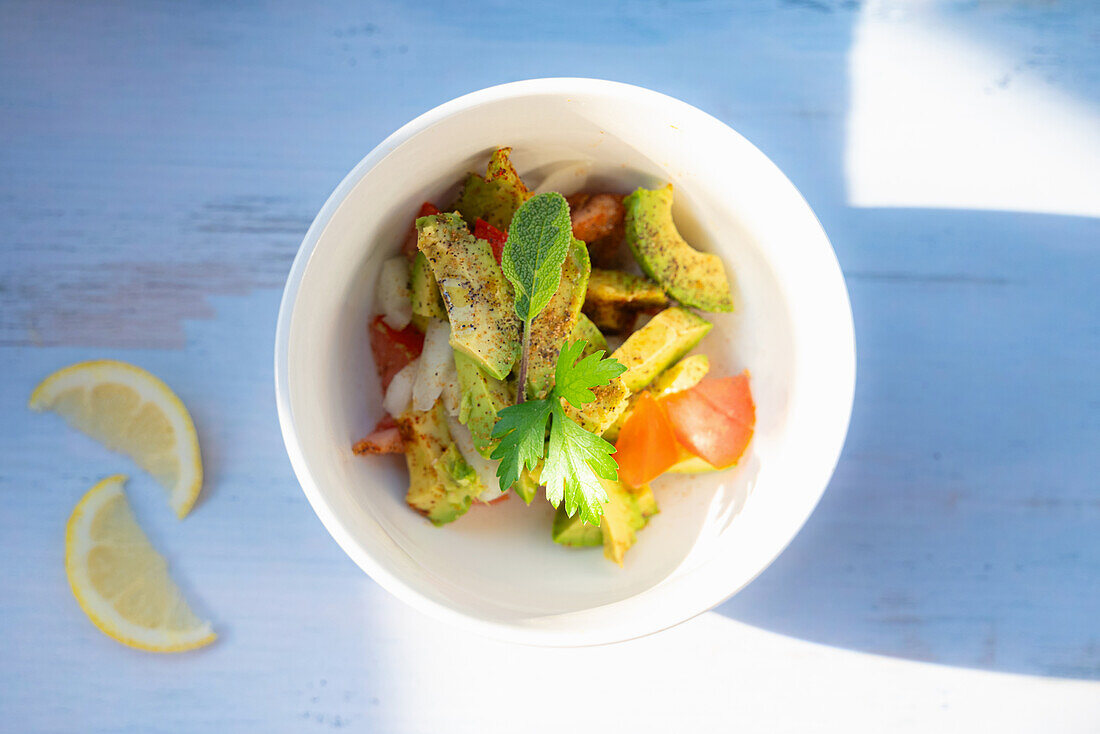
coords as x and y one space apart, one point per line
532 635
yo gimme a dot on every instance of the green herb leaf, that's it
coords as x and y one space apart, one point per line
538 240
522 432
575 461
574 380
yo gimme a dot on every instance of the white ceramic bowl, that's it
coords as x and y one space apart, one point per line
496 570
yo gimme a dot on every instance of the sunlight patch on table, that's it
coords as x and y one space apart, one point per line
941 119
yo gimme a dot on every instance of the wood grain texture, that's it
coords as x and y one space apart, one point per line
159 164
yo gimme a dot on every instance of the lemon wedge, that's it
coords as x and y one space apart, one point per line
130 411
120 580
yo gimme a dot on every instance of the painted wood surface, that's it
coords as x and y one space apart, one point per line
159 164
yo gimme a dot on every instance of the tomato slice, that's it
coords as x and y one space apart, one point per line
384 439
647 446
393 349
485 231
715 419
408 247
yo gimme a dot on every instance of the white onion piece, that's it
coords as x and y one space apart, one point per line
399 393
566 179
485 468
394 300
433 364
452 393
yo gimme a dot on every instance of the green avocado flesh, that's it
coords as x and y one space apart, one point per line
588 332
554 325
483 396
664 339
441 483
622 517
477 297
614 299
573 531
427 301
599 415
691 277
496 197
625 512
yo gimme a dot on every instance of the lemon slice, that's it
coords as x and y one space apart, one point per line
131 411
120 580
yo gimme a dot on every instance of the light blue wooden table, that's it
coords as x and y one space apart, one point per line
159 164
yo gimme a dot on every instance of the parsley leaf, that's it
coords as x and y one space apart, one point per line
538 240
576 460
574 380
522 432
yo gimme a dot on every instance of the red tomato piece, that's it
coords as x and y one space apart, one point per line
485 231
408 247
381 441
715 419
393 349
647 446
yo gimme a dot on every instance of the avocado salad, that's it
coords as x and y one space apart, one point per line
491 341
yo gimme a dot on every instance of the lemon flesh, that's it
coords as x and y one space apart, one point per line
120 580
130 411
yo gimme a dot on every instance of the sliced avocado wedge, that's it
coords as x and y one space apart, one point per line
680 376
621 518
528 484
573 531
647 503
586 330
483 396
614 298
441 483
427 301
692 465
477 297
553 326
496 197
664 339
691 277
599 415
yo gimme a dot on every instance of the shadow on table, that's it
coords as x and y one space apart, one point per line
960 526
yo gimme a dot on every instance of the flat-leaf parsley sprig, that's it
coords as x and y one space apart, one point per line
575 459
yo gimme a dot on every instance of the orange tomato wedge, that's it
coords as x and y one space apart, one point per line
715 419
647 446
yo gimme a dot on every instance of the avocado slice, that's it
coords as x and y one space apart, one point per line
477 297
441 483
691 277
586 330
664 339
573 531
626 511
692 465
553 326
427 301
680 376
496 197
614 298
599 415
483 396
528 484
647 503
622 516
